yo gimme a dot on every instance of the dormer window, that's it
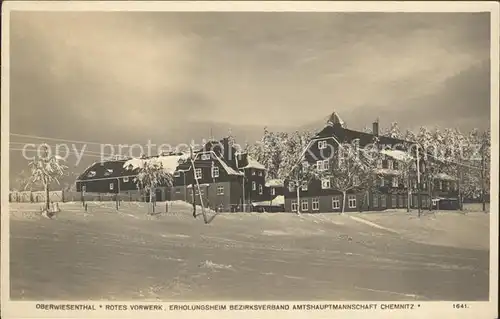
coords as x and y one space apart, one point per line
91 174
395 182
215 171
390 164
108 172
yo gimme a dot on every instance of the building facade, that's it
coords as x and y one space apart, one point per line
390 188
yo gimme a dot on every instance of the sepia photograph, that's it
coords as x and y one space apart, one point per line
196 156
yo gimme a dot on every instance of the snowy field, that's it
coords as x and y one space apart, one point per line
125 255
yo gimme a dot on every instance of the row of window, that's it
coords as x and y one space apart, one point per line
304 203
326 184
215 173
378 202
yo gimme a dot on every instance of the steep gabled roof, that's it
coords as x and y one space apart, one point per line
108 169
253 163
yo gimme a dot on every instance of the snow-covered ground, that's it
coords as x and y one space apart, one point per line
128 255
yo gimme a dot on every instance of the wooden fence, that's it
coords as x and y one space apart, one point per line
71 196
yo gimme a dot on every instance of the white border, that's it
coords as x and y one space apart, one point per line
434 309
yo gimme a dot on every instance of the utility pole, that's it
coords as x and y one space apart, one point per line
243 186
418 182
199 190
483 199
192 184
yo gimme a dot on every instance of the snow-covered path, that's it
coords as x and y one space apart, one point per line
128 256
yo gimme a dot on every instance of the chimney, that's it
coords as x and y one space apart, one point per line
375 128
226 149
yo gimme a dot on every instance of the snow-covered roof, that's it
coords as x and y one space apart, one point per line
444 177
201 185
252 163
169 162
398 155
277 201
386 171
275 183
335 119
227 168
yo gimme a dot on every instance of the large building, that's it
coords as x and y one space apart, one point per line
119 177
222 178
391 190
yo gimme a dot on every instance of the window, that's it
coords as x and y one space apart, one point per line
400 201
390 164
405 201
215 172
111 186
440 185
375 201
177 190
382 182
395 182
108 172
291 186
379 163
323 165
273 191
395 165
91 174
383 201
84 188
125 179
177 174
325 183
321 145
260 173
394 201
261 189
315 203
356 180
254 186
304 186
414 201
446 186
205 157
336 202
198 174
424 185
294 206
304 205
453 186
220 190
352 201
253 172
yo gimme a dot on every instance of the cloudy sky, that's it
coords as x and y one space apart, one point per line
124 77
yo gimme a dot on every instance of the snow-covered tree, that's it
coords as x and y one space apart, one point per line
46 169
292 146
351 170
150 175
393 131
301 175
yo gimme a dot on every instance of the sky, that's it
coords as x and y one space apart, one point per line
126 77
